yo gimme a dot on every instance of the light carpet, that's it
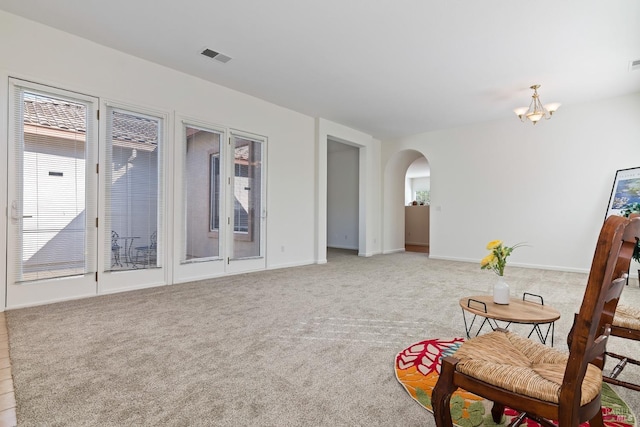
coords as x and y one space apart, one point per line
304 346
418 367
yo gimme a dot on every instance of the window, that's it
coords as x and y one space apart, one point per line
202 193
247 196
52 193
423 197
133 188
222 188
214 192
241 202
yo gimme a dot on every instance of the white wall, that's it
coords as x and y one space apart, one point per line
38 53
342 196
408 191
546 185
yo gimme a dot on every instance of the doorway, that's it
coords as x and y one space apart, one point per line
343 201
417 206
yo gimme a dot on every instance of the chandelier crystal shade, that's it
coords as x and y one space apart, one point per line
536 111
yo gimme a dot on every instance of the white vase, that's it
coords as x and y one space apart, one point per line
501 291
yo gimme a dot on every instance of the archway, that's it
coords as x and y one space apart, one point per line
395 172
417 206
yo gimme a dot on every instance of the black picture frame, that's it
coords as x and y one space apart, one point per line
625 190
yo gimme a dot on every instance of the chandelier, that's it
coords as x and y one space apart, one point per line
536 110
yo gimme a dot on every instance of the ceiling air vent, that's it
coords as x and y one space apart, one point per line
634 65
216 55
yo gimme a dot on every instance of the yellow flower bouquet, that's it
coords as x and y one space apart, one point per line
497 258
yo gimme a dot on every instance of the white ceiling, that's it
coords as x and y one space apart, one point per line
385 67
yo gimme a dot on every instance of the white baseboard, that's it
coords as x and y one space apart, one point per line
393 251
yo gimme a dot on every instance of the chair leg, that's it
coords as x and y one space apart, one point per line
497 411
541 421
441 395
116 257
597 420
569 418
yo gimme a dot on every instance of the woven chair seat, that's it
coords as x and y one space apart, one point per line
509 361
627 317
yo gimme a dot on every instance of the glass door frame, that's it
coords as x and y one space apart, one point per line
112 281
58 288
186 271
223 264
252 263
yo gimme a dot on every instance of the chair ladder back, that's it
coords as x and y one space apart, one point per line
629 241
588 335
611 302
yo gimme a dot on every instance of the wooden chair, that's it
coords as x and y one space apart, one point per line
541 382
626 324
637 249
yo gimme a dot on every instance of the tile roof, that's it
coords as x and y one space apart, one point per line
57 114
128 127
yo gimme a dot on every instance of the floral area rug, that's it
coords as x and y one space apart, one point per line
418 367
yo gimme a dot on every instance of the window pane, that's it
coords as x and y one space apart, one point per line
51 205
214 192
247 192
423 197
132 197
202 192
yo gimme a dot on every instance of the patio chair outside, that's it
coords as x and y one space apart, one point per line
145 254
